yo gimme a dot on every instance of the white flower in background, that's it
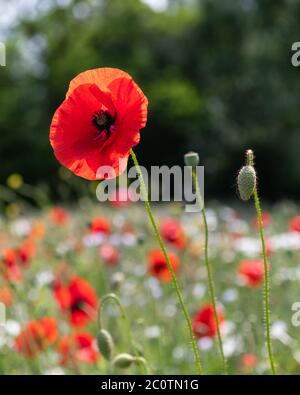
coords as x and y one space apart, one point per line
118 220
170 310
20 227
238 226
12 327
44 278
152 332
230 295
286 241
115 240
279 331
93 239
249 246
154 286
228 328
138 270
199 291
179 353
205 343
212 220
129 239
232 345
227 214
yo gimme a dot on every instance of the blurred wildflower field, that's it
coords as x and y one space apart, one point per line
58 262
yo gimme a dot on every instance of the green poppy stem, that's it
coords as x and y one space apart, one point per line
211 285
250 162
113 297
164 251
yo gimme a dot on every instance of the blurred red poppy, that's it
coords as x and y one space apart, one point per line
9 265
36 336
249 361
109 254
26 252
59 216
100 225
294 224
204 321
80 346
98 123
252 272
78 299
6 296
50 329
172 232
158 266
266 219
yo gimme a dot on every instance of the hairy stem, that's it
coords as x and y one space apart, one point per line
116 300
164 251
250 162
211 285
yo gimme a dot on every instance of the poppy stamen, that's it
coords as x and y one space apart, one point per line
103 121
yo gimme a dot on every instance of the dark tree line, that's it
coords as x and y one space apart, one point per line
218 76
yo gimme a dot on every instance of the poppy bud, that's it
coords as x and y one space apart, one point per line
105 344
246 182
117 280
123 361
191 159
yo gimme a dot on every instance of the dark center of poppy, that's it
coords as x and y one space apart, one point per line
77 305
159 267
103 121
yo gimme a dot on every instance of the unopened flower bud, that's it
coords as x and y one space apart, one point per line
105 344
123 361
191 159
117 280
246 182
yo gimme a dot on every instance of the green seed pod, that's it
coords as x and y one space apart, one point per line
191 159
105 344
123 361
246 182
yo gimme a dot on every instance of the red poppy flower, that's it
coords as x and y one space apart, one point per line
266 219
172 232
100 225
49 325
26 252
249 361
294 224
109 254
80 346
6 296
158 266
252 272
78 299
9 266
36 336
98 123
59 216
204 322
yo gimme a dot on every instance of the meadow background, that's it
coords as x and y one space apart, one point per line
219 79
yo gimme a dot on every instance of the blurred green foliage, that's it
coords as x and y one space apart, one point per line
218 75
